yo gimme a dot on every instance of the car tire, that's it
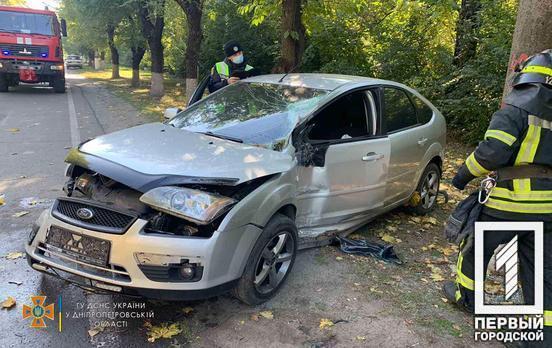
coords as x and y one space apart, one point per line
428 188
3 84
59 85
267 268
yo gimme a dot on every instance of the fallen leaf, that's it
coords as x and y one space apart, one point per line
325 323
13 130
432 220
415 219
8 303
242 322
165 330
390 239
267 314
14 255
254 317
456 327
444 300
361 338
187 310
339 258
20 214
450 250
93 332
375 290
437 277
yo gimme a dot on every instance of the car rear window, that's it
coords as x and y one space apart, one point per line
424 112
399 111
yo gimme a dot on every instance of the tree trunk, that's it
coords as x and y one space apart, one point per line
532 34
193 10
293 36
114 52
466 32
91 57
137 55
152 27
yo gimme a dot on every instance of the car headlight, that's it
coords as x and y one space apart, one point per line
197 206
56 67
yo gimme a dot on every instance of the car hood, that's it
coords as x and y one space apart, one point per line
158 150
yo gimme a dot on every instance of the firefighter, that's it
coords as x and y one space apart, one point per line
231 68
518 147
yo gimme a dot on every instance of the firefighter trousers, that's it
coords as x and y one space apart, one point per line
466 270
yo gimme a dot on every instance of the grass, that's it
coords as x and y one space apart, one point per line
139 96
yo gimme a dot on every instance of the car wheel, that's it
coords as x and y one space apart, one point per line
270 261
428 188
59 85
3 84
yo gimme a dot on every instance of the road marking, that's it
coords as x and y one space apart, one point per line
73 122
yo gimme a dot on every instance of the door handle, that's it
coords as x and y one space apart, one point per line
422 141
372 156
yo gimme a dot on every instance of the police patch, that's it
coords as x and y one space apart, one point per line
235 48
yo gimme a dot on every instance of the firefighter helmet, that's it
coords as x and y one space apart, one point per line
535 69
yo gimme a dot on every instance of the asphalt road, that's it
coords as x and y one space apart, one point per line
37 127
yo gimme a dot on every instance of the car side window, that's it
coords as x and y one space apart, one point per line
399 112
423 110
345 118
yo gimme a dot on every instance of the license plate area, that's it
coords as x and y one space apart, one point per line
79 247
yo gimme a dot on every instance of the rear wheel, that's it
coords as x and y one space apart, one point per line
270 261
3 84
59 85
428 188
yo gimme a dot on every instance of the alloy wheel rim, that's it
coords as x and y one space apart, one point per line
430 189
274 262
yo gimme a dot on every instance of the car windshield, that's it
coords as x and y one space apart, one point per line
250 112
26 23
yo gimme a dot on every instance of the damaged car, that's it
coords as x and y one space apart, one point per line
222 195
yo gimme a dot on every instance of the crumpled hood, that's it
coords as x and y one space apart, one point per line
157 150
533 98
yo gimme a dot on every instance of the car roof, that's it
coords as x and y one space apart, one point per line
319 81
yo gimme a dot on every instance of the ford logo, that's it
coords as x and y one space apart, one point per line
85 213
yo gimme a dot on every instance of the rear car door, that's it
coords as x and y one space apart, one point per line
409 142
350 184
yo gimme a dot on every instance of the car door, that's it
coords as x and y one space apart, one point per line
408 143
350 184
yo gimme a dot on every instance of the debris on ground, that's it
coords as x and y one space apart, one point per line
15 282
267 314
165 330
93 332
366 248
20 214
34 202
14 255
8 303
2 200
325 323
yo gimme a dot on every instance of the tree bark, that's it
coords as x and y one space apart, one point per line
193 10
531 35
152 27
91 57
114 52
466 32
137 55
293 36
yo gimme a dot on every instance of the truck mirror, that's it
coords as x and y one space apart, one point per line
63 27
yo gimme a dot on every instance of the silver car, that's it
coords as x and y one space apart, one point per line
222 196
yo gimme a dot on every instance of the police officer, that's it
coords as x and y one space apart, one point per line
518 147
231 68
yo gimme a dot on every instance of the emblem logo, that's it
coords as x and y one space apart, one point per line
38 311
85 213
25 51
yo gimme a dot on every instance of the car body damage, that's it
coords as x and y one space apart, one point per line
180 210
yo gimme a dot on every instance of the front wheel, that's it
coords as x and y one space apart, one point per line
3 84
428 188
59 85
270 261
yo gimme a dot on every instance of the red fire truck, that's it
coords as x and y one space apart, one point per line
30 48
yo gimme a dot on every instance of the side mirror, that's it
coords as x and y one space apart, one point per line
63 27
170 113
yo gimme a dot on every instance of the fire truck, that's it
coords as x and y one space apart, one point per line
30 48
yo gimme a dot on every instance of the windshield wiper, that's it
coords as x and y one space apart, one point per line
222 136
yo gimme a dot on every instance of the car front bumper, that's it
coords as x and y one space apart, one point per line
43 69
221 257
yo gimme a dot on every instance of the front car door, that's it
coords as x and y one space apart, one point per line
350 185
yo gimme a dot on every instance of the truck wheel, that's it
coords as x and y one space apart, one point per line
428 188
3 84
270 261
59 85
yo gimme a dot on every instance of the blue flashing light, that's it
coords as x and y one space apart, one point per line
6 52
44 54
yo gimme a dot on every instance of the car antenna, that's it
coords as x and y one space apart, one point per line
291 70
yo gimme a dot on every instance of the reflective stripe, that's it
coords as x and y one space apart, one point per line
547 318
501 192
474 167
535 121
517 207
506 138
461 278
538 69
248 67
223 69
527 152
457 295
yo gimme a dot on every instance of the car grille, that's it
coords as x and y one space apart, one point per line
16 49
104 219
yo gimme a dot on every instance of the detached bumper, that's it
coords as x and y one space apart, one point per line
221 259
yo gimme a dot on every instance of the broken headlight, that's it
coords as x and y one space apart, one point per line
197 206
